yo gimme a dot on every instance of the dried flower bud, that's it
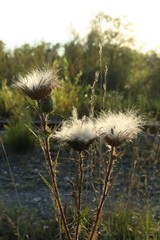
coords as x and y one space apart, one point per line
47 104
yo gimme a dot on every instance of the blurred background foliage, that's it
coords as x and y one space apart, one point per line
132 78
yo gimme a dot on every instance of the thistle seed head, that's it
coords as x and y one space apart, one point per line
38 84
78 133
118 128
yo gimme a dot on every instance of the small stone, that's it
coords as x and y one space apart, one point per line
36 199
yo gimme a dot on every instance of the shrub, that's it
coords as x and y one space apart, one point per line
11 101
18 138
71 94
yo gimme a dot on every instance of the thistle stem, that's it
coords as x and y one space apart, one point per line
80 181
103 197
53 172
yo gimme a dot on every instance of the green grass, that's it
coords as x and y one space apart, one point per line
18 224
121 222
125 222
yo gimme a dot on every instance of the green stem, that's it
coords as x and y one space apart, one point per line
52 172
103 197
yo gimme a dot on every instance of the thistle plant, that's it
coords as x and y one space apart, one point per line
38 85
79 134
112 129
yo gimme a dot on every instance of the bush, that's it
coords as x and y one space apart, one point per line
11 101
18 138
71 94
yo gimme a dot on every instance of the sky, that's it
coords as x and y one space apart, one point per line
32 21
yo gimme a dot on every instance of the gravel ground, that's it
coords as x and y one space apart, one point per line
34 195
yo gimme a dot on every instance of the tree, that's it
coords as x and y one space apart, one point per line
73 52
107 43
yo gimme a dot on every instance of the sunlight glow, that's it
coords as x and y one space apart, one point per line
31 21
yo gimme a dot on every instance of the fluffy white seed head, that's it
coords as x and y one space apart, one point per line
78 133
118 128
38 84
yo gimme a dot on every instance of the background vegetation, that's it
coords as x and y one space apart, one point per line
132 78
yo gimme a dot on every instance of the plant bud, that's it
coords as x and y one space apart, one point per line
47 104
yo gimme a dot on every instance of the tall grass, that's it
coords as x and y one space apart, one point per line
125 221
